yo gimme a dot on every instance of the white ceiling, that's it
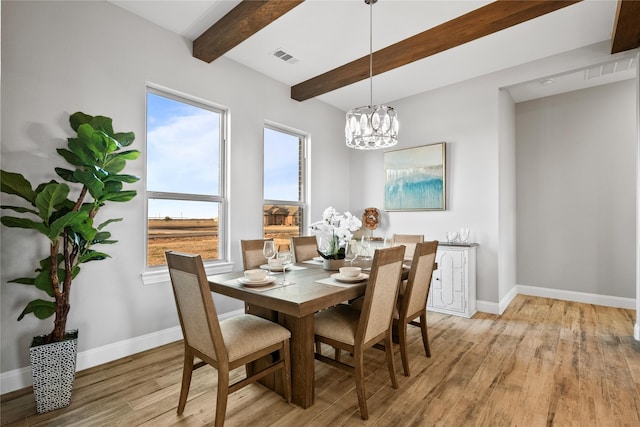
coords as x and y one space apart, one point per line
324 34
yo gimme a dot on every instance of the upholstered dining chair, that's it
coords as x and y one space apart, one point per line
345 328
226 344
412 299
252 256
407 240
304 248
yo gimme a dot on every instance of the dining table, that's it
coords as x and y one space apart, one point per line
310 288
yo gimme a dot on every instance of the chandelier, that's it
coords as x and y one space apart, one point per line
372 126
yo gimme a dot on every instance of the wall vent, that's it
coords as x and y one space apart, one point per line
286 57
609 68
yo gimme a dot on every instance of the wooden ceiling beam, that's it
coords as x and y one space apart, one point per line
243 21
478 23
626 28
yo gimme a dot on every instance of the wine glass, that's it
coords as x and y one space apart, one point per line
452 236
285 258
269 252
365 242
350 252
464 234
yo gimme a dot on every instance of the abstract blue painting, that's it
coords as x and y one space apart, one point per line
415 178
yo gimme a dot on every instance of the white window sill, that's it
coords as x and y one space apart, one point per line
161 274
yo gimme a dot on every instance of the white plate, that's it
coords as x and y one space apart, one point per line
359 278
266 267
256 283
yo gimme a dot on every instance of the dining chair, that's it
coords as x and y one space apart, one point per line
409 241
412 299
252 256
304 248
226 344
346 328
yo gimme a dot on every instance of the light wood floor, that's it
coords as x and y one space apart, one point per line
543 362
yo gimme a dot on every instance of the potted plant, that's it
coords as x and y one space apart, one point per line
71 230
334 231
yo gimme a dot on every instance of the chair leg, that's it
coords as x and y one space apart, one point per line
402 339
425 334
286 371
223 395
359 377
391 365
187 370
336 354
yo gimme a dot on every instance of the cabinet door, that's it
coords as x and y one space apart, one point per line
448 282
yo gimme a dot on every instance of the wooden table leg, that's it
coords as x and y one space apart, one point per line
302 360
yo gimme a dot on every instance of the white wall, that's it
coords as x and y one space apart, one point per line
62 57
576 168
478 123
507 183
465 117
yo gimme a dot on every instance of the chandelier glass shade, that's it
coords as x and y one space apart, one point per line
371 127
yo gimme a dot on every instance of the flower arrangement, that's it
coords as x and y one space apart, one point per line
334 230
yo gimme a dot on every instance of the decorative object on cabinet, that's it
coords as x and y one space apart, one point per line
453 286
415 178
371 218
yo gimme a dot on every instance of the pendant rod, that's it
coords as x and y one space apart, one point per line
371 2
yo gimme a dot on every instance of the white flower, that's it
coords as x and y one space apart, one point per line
335 230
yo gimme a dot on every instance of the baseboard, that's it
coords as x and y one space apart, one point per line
488 307
583 297
636 331
504 302
21 378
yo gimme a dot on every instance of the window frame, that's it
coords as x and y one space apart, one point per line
159 273
302 203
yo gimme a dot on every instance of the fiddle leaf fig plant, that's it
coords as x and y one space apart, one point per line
69 226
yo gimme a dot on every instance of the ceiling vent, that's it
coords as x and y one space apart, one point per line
609 68
286 57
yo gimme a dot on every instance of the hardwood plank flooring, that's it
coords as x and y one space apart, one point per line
543 362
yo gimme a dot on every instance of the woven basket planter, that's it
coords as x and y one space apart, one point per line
53 369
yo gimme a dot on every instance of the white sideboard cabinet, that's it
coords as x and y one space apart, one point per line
453 284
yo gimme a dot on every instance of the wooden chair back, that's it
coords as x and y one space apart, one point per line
252 256
409 241
196 310
380 296
414 298
304 248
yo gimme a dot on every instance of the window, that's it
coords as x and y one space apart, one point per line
185 146
284 187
